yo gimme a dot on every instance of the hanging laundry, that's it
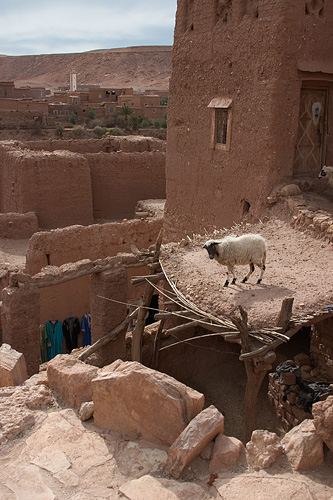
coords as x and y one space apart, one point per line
45 343
71 329
55 335
86 328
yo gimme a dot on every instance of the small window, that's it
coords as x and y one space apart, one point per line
221 123
110 110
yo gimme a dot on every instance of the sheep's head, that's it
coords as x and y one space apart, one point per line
210 246
326 171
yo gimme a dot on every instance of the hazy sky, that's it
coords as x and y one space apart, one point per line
60 26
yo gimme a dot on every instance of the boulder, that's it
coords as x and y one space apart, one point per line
140 402
303 446
13 370
152 488
18 407
71 379
86 410
263 449
199 432
323 420
226 452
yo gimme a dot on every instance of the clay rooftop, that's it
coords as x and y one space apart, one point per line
299 265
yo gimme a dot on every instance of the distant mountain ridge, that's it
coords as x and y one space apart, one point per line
146 67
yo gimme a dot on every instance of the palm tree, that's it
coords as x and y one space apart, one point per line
125 111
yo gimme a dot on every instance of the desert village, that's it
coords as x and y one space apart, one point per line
127 369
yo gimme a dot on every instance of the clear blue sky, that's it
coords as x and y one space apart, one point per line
61 26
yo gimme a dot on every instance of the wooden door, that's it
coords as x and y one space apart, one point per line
309 153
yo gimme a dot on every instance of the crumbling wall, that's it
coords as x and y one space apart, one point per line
97 241
73 182
108 144
18 226
20 323
54 185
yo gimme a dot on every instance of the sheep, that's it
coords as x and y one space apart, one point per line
327 172
230 251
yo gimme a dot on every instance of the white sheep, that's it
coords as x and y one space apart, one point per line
231 251
327 172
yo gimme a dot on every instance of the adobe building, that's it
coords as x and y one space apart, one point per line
250 106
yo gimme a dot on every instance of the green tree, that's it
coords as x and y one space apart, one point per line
59 130
164 101
72 118
78 131
91 114
145 123
135 122
100 131
125 111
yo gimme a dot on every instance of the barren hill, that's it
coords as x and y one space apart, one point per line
137 67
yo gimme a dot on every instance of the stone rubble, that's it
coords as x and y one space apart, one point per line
140 402
65 455
13 370
195 437
263 449
303 446
323 420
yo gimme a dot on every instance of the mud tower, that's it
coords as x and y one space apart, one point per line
250 106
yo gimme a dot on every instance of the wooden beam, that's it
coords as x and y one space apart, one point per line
139 280
285 313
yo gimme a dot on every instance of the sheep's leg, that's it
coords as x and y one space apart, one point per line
263 267
244 280
231 270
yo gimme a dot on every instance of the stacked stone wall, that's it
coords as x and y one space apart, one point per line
295 386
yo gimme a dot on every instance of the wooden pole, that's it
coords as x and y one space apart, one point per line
136 352
254 376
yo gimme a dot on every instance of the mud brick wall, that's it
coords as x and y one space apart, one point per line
97 241
322 349
75 182
120 180
250 52
54 185
106 314
108 144
20 321
18 226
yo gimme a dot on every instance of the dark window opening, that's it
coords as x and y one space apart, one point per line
48 260
246 207
152 310
221 125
